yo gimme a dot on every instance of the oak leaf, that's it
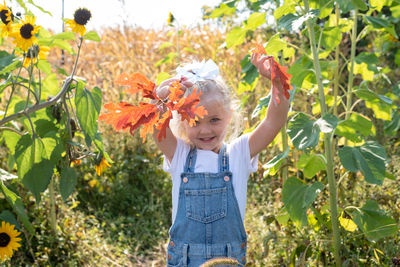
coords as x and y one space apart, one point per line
280 79
124 116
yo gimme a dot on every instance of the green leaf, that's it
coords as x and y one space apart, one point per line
15 201
162 76
168 59
373 222
272 166
262 103
250 71
286 8
50 86
368 158
303 132
345 6
7 216
44 66
68 182
5 59
274 45
57 43
331 37
88 105
222 10
392 127
286 21
376 22
360 4
382 107
298 22
65 36
327 123
311 164
11 139
297 197
325 7
235 37
255 20
355 126
54 146
34 168
395 11
16 63
92 36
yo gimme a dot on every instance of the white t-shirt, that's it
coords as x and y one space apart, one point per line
240 165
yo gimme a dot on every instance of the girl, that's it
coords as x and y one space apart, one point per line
210 177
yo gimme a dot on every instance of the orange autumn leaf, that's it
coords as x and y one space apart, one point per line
259 49
188 108
137 83
125 116
280 79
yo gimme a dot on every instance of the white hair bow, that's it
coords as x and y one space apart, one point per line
198 71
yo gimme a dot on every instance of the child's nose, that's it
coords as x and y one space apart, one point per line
204 129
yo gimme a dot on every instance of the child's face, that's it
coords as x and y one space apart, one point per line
210 131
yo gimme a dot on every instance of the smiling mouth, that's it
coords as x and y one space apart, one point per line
207 140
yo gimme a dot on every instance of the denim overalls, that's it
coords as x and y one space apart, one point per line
208 222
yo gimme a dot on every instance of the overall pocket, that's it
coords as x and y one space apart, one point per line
206 205
173 259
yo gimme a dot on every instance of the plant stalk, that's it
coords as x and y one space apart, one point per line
337 75
327 145
284 147
352 56
53 218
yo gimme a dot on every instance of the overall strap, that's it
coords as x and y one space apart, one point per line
190 160
223 159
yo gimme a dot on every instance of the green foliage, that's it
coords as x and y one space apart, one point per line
368 158
297 197
374 222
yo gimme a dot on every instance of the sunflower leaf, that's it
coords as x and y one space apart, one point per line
92 36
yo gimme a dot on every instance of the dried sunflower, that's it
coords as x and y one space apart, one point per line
81 17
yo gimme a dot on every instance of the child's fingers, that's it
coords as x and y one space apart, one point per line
167 82
187 84
163 92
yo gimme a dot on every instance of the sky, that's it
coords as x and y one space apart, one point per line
141 13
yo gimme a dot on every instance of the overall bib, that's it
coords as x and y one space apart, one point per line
208 222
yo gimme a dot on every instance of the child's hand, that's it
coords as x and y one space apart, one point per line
163 89
261 62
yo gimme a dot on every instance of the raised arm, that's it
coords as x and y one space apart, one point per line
167 145
276 116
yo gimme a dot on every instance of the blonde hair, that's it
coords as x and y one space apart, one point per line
229 102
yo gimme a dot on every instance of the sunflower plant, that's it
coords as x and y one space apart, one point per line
48 129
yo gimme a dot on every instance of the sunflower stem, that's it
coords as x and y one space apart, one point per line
332 186
13 87
53 218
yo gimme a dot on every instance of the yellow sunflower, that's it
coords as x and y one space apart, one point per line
24 33
7 18
171 18
81 17
102 166
8 240
75 162
34 53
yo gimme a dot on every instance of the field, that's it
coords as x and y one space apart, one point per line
122 217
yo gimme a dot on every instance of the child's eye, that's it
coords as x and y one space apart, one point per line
214 120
